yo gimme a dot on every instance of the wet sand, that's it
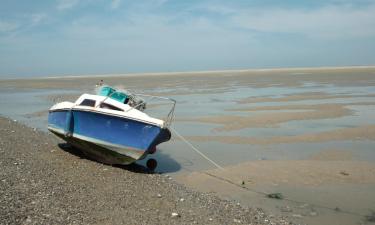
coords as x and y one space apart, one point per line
299 97
317 191
209 81
312 130
296 172
357 133
234 122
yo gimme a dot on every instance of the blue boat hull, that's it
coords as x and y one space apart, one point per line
107 138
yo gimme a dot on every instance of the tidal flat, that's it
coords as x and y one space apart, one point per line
307 133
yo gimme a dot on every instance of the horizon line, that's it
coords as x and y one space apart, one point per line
196 72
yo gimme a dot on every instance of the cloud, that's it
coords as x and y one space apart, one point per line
20 26
340 21
66 4
115 4
159 2
8 26
208 7
37 18
160 35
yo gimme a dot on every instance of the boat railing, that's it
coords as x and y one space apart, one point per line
169 117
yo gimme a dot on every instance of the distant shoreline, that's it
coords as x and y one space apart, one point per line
281 69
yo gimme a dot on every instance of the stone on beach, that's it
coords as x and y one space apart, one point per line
61 189
174 214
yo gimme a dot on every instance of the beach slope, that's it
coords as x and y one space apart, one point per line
42 183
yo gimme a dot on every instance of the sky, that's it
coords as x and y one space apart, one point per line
84 37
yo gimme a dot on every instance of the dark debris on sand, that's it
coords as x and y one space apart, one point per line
42 184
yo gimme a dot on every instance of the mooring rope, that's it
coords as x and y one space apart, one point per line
252 189
196 150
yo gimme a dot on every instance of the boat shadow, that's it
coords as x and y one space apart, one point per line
166 163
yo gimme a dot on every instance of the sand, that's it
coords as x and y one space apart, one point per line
333 155
301 97
356 133
233 115
234 122
209 81
299 107
314 191
296 172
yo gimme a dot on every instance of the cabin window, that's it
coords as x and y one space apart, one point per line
108 106
88 102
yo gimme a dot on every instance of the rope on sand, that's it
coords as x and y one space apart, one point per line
196 150
229 181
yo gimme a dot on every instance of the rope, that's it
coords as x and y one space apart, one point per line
196 150
254 190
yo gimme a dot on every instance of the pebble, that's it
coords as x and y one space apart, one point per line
344 173
297 216
28 220
57 194
174 215
286 209
159 196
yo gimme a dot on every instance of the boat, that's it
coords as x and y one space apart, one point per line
111 126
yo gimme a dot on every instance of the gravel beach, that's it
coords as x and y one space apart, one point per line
43 182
